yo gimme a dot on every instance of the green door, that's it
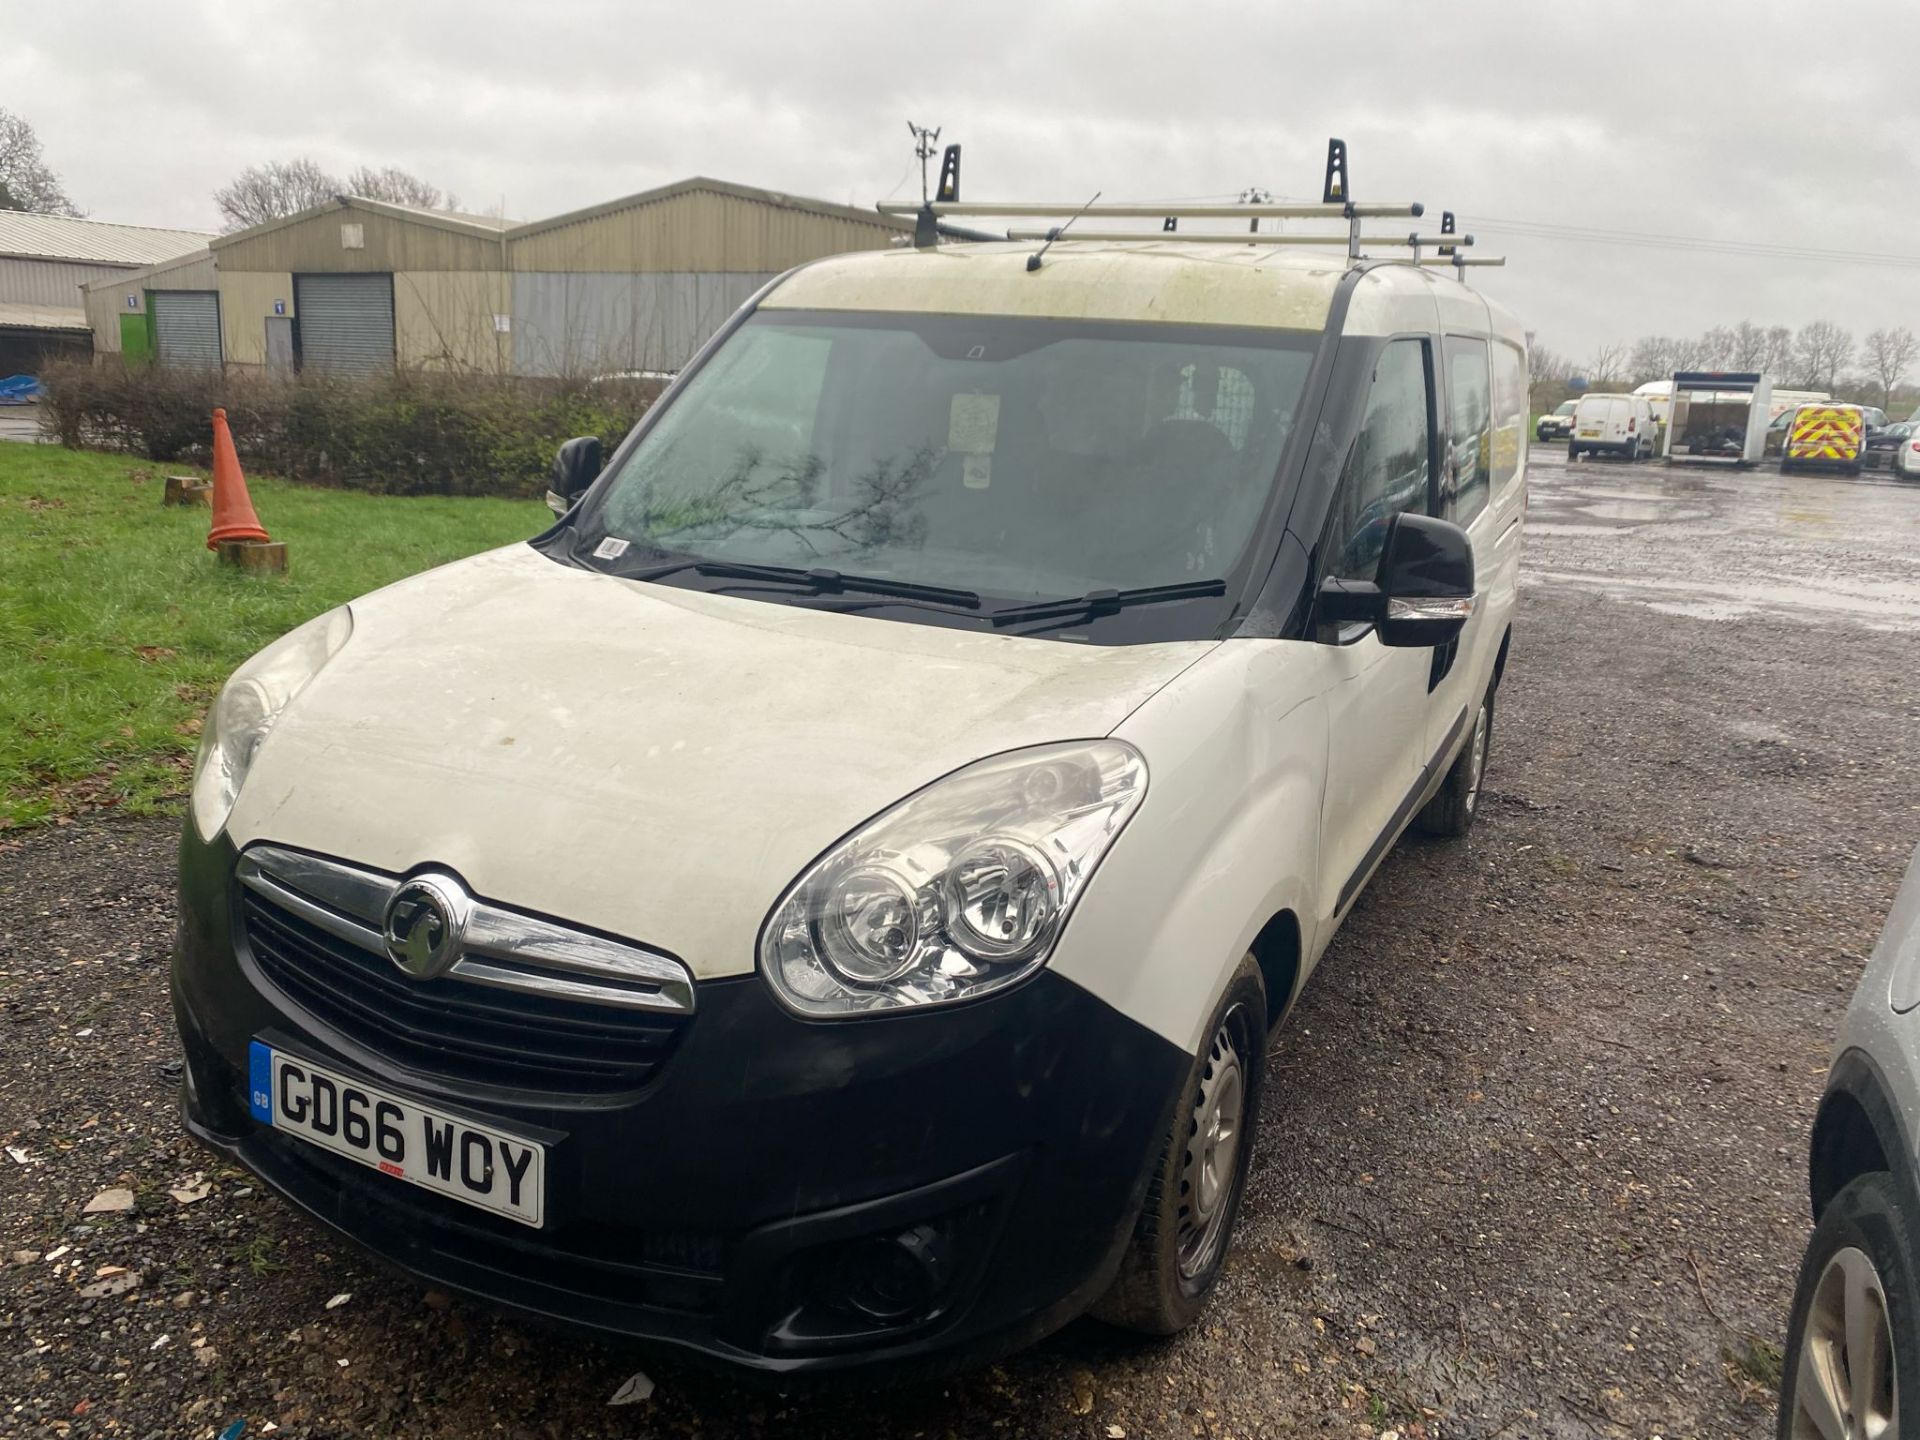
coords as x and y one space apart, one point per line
136 339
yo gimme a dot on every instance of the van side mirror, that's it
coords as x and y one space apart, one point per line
1422 593
575 468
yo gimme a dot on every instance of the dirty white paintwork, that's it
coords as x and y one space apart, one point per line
652 762
1151 281
661 763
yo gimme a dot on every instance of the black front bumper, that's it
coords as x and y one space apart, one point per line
724 1205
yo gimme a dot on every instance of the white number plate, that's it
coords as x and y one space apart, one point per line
475 1164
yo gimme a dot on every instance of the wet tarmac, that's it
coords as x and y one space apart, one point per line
1713 543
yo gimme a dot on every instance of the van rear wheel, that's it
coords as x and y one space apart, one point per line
1450 813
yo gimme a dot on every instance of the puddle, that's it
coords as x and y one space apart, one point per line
1881 605
1638 513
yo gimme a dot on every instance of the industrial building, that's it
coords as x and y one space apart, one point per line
361 286
45 259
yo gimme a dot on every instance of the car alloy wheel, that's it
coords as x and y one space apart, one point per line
1847 1387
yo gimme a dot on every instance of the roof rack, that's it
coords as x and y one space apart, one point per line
934 218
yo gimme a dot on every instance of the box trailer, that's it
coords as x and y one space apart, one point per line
1718 417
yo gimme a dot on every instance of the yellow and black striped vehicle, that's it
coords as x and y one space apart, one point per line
1826 435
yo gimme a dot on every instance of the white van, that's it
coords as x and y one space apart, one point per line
1621 425
826 900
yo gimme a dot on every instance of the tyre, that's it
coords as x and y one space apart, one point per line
1573 452
1180 1241
1450 813
1852 1350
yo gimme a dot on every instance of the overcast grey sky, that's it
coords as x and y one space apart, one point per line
1785 124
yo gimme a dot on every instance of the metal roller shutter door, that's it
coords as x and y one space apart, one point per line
186 326
346 322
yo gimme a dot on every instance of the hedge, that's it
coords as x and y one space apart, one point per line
403 433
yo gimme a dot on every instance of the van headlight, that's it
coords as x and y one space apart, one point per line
958 890
247 706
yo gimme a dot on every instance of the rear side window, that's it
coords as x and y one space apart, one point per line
1471 460
1509 414
1390 465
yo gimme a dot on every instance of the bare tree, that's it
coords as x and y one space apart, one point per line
1607 365
26 183
1716 348
1748 350
1543 363
1888 355
1821 350
1656 357
273 191
1689 353
398 187
1779 360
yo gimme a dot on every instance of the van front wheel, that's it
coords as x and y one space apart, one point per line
1179 1243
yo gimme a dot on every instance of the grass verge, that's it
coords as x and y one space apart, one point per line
117 627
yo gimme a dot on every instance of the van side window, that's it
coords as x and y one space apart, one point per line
1391 463
1509 413
1471 460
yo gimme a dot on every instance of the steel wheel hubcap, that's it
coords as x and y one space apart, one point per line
1213 1150
1846 1387
1476 757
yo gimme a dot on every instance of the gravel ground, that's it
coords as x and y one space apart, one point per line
1532 1156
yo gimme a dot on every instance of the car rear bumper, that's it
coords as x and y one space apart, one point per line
735 1203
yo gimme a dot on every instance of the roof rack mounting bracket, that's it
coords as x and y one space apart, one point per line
948 192
1447 228
1170 224
1336 190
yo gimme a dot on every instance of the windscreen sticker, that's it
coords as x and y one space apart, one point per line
611 548
260 1082
976 472
973 424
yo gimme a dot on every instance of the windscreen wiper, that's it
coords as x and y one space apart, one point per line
820 581
1106 602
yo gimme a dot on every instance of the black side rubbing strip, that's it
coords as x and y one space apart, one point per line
1415 798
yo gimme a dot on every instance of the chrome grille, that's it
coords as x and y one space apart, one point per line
527 1004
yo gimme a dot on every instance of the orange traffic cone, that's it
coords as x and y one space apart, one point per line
233 517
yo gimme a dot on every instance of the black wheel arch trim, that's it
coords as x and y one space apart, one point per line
1838 1152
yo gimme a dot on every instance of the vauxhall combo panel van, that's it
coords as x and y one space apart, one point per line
826 900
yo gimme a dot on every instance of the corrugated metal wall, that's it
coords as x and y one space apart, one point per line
106 301
388 243
572 324
50 282
444 320
696 230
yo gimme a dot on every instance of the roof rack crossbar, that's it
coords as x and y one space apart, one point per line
1037 209
1235 237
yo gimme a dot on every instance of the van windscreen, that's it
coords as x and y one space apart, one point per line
1022 458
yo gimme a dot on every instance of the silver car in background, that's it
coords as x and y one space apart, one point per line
1853 1342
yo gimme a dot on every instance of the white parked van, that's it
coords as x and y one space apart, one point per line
826 900
1621 425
